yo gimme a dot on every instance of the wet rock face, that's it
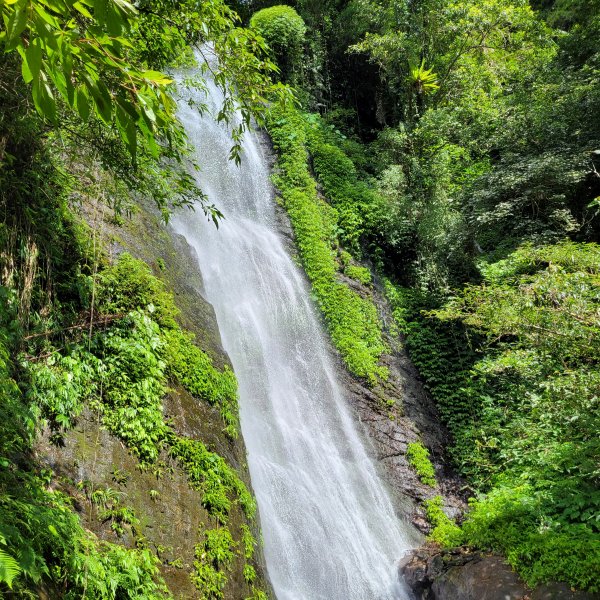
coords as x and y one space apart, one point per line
433 574
170 512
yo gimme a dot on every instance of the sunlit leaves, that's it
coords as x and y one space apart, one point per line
75 52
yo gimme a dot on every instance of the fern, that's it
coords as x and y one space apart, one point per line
9 568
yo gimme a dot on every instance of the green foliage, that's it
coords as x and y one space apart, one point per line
210 474
248 542
58 385
283 29
445 532
119 517
423 80
361 274
352 196
9 568
257 595
193 368
213 558
122 372
109 571
522 409
39 529
128 284
418 459
249 574
85 55
74 51
521 522
132 383
444 355
352 321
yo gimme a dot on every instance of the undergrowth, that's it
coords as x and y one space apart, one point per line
121 370
512 366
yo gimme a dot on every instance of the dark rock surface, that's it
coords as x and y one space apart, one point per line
433 574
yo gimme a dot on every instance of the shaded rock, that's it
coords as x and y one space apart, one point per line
433 574
560 591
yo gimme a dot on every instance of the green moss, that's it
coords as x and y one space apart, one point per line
445 531
418 458
352 321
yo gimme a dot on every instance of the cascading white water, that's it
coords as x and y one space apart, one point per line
330 532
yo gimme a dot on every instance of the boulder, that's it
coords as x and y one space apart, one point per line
459 574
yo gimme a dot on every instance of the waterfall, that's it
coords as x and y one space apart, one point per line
329 527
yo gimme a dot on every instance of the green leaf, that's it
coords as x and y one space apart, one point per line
9 568
33 56
25 70
156 77
82 103
78 6
100 10
43 97
101 99
46 16
15 26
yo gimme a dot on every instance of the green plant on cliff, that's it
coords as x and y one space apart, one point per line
41 538
213 558
121 372
193 368
418 459
352 320
129 283
210 474
445 532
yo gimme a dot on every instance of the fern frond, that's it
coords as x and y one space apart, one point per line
9 568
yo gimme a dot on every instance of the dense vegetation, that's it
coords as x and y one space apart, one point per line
452 146
455 145
88 120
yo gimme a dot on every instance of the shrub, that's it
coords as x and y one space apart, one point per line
445 531
283 29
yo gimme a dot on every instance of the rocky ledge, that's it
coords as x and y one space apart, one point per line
434 574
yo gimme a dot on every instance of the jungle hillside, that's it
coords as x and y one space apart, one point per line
445 153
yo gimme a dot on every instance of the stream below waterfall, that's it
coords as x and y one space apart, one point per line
329 527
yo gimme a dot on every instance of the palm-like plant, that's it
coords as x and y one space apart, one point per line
423 80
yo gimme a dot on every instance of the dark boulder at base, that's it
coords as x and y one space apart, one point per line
434 574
